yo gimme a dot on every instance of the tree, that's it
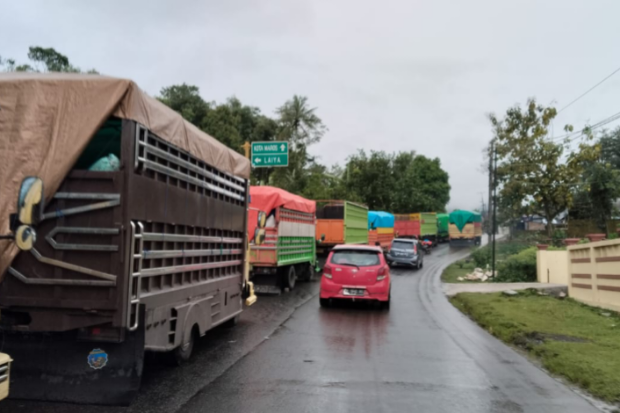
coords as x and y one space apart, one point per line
43 60
401 183
600 185
534 173
186 100
298 124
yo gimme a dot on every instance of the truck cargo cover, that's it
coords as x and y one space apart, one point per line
47 120
267 198
460 218
380 219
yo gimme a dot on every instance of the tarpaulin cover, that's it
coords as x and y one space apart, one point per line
47 120
267 198
442 222
460 218
380 219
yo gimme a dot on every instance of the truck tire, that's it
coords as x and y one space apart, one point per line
289 277
183 353
230 323
306 272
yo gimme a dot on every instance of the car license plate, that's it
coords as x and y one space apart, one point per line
353 291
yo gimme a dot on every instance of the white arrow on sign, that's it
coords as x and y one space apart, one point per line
257 160
282 147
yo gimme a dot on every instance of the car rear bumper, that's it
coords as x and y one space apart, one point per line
379 291
402 260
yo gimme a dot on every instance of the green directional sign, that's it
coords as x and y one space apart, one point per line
269 154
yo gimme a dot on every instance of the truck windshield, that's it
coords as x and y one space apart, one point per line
358 258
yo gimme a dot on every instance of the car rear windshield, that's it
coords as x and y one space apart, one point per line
359 258
402 245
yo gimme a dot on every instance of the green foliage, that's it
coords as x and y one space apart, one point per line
186 100
600 184
569 338
400 183
536 175
43 60
458 269
482 256
520 267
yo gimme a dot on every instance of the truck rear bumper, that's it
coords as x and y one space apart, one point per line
58 367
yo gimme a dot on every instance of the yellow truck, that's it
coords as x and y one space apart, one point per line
464 228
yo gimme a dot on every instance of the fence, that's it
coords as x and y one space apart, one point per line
594 272
552 267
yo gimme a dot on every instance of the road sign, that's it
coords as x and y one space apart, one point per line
269 154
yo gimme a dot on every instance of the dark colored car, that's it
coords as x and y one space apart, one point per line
406 252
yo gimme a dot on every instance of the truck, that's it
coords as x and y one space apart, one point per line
465 228
281 228
340 222
380 229
405 226
443 235
129 235
428 225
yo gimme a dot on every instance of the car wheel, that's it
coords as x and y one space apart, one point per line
324 302
386 304
289 277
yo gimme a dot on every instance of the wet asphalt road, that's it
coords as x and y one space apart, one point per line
289 355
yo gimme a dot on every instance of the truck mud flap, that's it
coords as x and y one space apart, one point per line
57 367
462 243
267 284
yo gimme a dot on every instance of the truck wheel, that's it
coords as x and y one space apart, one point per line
183 353
289 277
230 323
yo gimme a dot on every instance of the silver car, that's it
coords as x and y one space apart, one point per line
405 251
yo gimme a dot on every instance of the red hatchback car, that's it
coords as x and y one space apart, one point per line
356 272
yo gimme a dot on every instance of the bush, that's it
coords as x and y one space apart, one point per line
520 267
482 256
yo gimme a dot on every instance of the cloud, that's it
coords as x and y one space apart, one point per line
391 75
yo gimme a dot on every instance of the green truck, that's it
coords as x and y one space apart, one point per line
442 228
340 222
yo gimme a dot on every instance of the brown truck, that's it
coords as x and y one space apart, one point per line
137 242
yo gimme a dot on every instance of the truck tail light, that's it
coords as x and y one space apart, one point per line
382 273
327 271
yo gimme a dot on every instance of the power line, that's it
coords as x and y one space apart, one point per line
576 134
591 89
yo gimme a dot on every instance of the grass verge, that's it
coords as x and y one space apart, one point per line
575 341
458 269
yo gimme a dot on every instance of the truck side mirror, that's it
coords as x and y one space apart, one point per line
322 237
30 200
262 219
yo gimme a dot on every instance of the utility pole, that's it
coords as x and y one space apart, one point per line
488 217
494 222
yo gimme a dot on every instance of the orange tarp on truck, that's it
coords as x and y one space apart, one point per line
267 198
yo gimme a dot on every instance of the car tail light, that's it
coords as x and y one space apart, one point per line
382 273
327 271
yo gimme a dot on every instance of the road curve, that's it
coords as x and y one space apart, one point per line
289 355
421 356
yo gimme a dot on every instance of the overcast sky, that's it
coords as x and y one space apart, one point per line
390 75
